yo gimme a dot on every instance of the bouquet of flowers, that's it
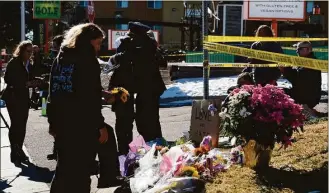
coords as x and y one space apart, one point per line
264 114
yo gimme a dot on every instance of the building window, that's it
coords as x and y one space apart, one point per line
122 4
121 26
157 4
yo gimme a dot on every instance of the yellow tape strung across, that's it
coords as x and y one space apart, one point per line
269 56
226 65
313 49
243 65
255 39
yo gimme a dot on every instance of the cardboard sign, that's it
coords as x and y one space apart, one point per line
203 123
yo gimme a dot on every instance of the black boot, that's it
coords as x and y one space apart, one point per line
17 155
53 156
104 182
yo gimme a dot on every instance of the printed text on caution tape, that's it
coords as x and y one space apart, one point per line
255 39
269 56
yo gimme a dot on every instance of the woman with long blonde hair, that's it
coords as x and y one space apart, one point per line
74 108
16 95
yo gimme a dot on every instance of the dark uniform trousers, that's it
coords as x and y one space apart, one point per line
18 111
146 117
76 155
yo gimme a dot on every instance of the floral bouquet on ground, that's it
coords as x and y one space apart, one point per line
263 114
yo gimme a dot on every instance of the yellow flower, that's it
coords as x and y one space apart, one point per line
189 170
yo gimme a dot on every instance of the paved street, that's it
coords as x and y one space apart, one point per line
39 143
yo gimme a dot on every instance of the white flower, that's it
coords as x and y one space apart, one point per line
244 113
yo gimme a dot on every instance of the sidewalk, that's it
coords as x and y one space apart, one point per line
26 179
14 179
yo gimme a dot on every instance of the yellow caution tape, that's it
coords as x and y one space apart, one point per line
243 65
200 53
269 56
313 49
228 65
255 39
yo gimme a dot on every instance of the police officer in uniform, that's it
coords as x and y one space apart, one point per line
139 74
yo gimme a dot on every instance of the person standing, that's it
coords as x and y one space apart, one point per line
306 83
264 75
139 74
17 97
56 46
74 108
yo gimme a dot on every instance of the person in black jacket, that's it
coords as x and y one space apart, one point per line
139 74
74 108
56 46
265 75
18 78
306 83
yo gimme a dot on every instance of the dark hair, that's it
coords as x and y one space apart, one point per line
58 39
245 77
22 47
264 31
81 35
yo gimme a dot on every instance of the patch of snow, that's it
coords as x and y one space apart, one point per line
192 87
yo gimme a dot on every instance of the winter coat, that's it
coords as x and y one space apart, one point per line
263 75
306 84
75 92
139 62
16 77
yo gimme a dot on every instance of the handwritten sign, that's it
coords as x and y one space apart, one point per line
202 121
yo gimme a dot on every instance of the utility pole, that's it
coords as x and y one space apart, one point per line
22 20
205 51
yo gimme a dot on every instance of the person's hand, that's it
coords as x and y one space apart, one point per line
104 135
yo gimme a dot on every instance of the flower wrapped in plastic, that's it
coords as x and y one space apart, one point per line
117 94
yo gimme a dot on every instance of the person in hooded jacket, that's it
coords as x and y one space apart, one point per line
74 108
139 74
264 75
306 83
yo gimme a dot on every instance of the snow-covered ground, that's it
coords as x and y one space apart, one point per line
191 87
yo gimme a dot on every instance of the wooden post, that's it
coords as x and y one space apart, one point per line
274 27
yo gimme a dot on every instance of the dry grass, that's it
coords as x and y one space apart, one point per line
302 167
